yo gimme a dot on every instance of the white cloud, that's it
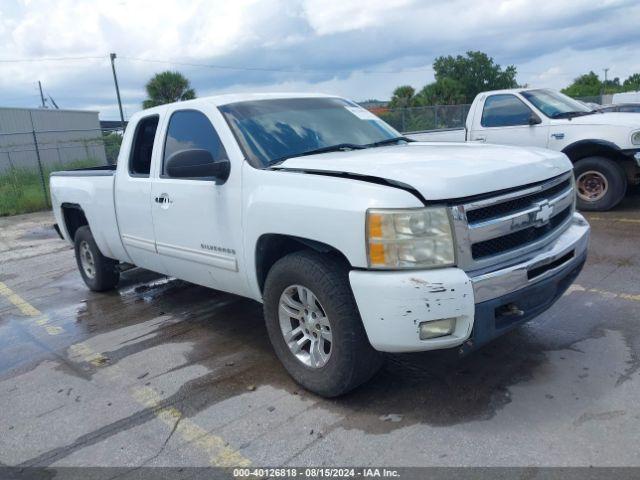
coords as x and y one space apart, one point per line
329 45
332 16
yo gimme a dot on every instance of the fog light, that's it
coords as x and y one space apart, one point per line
437 328
637 157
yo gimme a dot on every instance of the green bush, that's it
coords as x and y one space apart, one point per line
21 188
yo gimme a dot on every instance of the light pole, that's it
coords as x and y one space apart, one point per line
604 86
115 80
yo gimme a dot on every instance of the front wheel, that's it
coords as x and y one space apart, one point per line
98 272
600 183
314 325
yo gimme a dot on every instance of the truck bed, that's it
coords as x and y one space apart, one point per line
102 170
92 191
442 135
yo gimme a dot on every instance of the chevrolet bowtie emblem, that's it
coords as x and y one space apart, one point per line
544 213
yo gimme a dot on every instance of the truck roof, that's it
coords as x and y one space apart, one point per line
506 90
226 99
514 90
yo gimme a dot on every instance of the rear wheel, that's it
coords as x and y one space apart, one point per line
98 272
314 324
600 183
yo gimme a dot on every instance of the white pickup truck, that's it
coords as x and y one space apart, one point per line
604 147
356 240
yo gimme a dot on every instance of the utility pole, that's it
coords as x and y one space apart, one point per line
115 80
44 105
604 87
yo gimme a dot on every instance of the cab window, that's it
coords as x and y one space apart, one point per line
145 134
504 110
191 129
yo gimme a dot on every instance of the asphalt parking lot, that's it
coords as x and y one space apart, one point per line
165 373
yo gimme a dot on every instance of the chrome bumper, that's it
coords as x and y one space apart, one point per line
566 250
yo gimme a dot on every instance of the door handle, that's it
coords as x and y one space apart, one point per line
480 138
163 199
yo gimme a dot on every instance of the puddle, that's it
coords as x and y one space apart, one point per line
227 337
39 233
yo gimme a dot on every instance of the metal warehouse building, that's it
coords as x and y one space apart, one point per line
61 137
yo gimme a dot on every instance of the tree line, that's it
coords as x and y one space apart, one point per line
457 81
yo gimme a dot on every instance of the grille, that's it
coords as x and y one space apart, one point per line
520 238
511 206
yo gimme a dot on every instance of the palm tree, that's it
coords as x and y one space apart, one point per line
167 87
403 97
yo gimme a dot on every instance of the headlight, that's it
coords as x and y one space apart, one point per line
411 238
635 138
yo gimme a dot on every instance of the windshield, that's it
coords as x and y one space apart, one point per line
554 104
272 130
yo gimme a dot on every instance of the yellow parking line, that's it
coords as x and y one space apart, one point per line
216 449
19 302
607 219
625 296
220 454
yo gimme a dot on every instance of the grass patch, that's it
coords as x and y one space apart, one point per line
21 188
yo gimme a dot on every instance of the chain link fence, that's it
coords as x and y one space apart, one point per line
592 99
27 158
415 119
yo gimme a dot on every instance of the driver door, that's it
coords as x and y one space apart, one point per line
197 221
505 120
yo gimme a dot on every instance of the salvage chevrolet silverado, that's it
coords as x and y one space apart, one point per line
356 239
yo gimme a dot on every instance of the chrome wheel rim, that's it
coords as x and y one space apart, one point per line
592 186
305 326
86 260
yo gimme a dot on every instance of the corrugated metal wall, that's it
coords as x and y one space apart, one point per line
63 136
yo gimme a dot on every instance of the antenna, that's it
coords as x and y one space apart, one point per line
44 104
53 102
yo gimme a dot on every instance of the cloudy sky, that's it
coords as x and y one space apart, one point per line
356 48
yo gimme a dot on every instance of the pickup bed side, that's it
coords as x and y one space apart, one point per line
88 199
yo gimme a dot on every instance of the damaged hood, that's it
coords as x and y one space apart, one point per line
441 171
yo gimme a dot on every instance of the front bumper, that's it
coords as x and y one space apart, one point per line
393 304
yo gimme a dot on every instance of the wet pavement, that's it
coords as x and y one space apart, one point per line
165 373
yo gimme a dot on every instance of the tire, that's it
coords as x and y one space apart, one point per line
351 358
98 272
595 173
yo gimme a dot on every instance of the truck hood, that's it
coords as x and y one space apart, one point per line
617 119
441 171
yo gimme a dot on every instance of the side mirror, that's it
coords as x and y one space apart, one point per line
534 119
197 163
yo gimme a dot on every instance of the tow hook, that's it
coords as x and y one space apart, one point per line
510 310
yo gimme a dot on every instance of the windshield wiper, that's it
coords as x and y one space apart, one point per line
340 147
388 141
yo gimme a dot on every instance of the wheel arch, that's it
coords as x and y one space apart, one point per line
74 218
591 148
271 247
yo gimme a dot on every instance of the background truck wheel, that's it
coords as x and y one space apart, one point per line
98 272
314 324
600 183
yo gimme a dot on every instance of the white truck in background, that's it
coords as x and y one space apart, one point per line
356 239
604 147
